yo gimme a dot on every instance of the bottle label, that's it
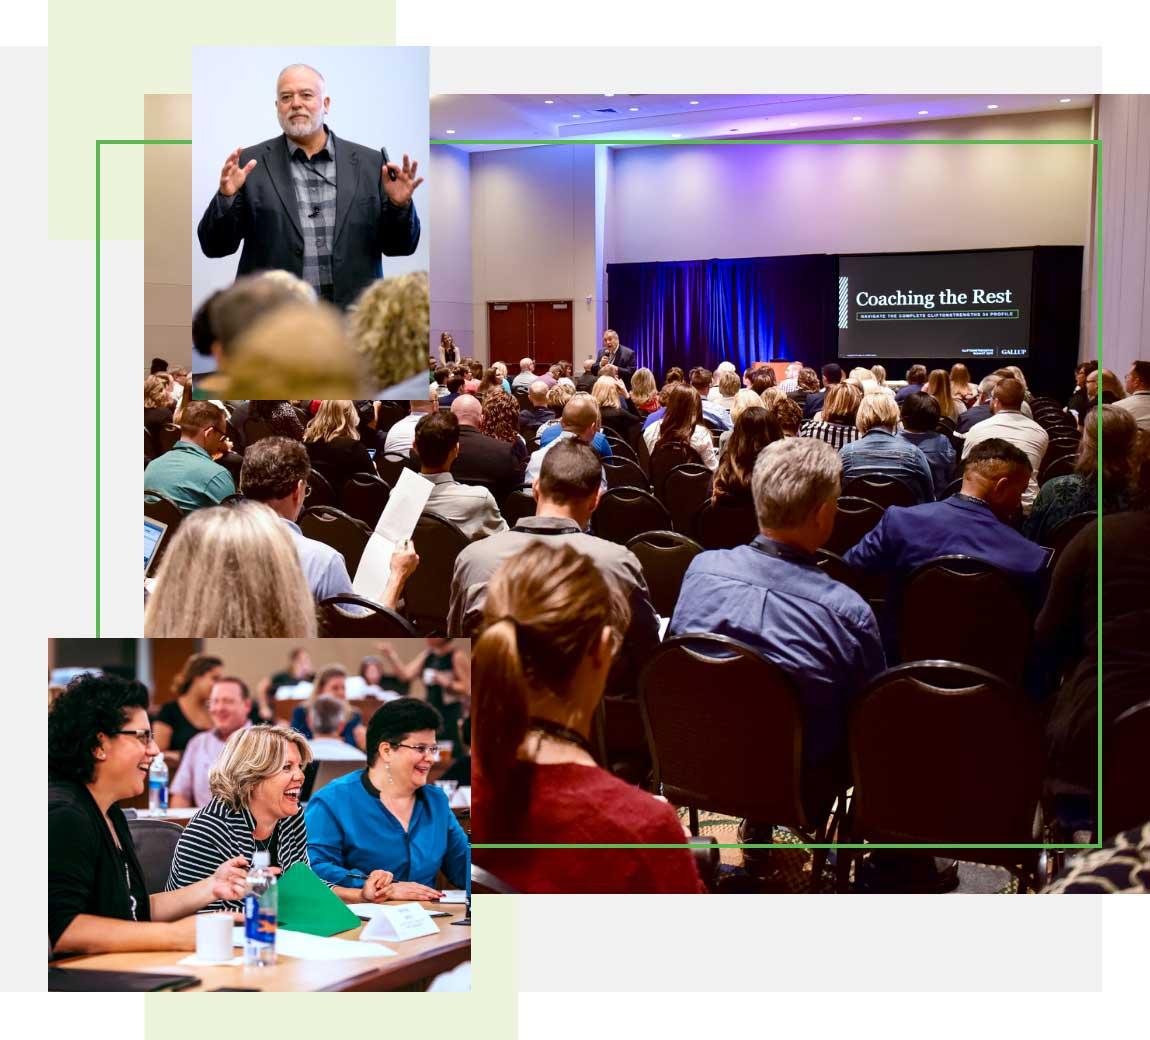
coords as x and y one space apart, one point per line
259 924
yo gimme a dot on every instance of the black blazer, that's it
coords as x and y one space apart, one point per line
263 215
338 459
624 362
484 458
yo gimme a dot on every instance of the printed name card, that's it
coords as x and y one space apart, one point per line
397 923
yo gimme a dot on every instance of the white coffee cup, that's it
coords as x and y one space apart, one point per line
214 938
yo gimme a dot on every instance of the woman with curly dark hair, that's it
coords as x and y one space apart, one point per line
754 430
100 748
501 421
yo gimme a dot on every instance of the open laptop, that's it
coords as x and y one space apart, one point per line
153 535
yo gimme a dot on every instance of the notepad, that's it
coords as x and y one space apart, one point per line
306 904
396 523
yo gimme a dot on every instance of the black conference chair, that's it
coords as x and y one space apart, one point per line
319 490
1060 537
725 526
1061 466
390 412
957 608
169 437
390 464
625 512
427 594
665 458
1125 793
664 557
952 488
624 472
853 522
945 753
518 504
686 490
621 449
347 535
882 490
368 620
364 496
256 430
833 565
155 842
149 447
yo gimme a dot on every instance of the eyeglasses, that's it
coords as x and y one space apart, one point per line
423 749
144 736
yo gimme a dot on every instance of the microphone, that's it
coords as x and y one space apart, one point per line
391 174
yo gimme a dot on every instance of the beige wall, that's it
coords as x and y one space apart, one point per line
449 179
167 231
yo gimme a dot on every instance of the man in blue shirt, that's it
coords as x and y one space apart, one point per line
878 452
915 381
920 414
771 595
186 474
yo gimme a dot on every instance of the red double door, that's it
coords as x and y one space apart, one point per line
539 329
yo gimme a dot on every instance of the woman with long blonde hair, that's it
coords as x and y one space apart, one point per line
938 386
614 415
961 388
644 392
231 572
333 443
552 625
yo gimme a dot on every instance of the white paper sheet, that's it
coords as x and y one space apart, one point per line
396 523
317 947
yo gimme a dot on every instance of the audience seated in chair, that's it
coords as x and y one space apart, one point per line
878 452
581 422
920 427
491 462
333 443
1008 423
401 436
186 474
230 706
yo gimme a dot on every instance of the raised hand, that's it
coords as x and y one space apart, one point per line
233 175
400 182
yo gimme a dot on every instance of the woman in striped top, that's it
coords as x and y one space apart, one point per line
255 788
836 423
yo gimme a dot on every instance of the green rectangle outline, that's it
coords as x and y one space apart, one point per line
1095 142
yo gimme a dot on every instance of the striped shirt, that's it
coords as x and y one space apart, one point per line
314 183
218 833
835 434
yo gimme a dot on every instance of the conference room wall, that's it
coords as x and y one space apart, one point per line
167 264
684 202
449 183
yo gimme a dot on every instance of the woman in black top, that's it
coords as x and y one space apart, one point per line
100 748
281 416
333 444
180 720
612 412
159 403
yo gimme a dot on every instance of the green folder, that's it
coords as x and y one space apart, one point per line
306 904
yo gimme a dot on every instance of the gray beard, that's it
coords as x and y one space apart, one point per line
298 135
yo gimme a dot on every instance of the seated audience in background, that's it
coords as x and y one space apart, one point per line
275 473
401 436
491 381
500 421
566 492
186 474
455 390
610 394
179 721
526 373
380 678
100 748
1063 497
976 413
879 452
721 369
229 705
535 412
915 381
330 682
644 393
832 375
714 417
491 462
445 671
1102 386
729 386
790 381
1137 401
281 416
754 430
865 382
327 718
772 595
551 627
439 381
744 399
587 377
159 404
1079 400
920 414
580 421
390 326
938 386
879 374
682 423
468 506
557 398
961 388
255 806
836 422
759 377
807 384
787 414
387 817
1009 424
501 368
234 572
333 443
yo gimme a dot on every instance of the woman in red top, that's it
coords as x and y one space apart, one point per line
553 624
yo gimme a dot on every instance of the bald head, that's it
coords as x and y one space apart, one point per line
467 409
538 393
581 416
526 365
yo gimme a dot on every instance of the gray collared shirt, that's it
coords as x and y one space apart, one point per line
469 507
314 183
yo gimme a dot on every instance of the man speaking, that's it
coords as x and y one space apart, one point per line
305 202
623 358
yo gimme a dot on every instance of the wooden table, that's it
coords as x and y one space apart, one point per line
417 962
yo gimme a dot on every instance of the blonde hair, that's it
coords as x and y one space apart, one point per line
643 387
841 403
879 373
333 419
938 386
729 383
231 571
771 395
959 378
877 410
251 756
297 352
558 396
605 392
158 392
296 287
391 327
744 399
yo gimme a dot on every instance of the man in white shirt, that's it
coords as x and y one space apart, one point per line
1137 403
327 717
1009 424
402 435
472 508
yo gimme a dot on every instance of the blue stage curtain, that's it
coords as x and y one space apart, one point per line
701 312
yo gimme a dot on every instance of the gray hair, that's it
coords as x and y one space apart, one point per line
327 715
986 387
302 65
792 478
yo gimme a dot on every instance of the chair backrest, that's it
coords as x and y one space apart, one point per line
484 882
664 557
725 526
698 687
390 412
957 608
327 770
952 488
836 567
518 504
624 512
624 472
390 464
1060 466
881 489
942 752
363 496
149 447
1060 537
155 842
621 449
319 490
347 535
255 430
1125 793
164 510
367 619
427 594
946 425
665 457
686 490
853 521
169 437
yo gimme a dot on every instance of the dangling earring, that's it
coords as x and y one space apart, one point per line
387 766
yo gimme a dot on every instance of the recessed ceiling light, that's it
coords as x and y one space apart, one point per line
633 108
449 131
992 106
855 119
676 135
1064 100
923 112
548 102
576 115
692 102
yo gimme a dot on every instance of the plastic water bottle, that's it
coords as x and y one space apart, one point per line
158 785
260 911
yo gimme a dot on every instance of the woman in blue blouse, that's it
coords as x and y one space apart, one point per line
388 817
